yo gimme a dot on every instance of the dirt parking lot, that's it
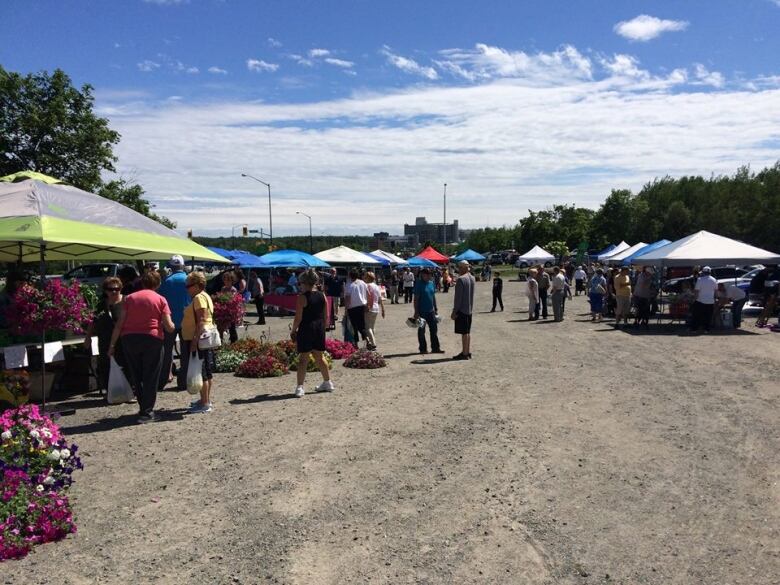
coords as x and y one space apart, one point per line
563 453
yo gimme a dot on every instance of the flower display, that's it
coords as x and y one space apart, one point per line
228 309
288 347
248 346
14 388
228 360
338 349
312 365
36 465
55 307
364 359
262 366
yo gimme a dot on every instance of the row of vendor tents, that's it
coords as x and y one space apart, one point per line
701 248
340 255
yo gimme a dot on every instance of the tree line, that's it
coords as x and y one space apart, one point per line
744 206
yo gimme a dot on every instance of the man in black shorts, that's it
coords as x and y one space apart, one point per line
463 307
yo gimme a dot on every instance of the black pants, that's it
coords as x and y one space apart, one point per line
701 314
543 302
736 313
433 325
408 290
260 304
144 356
497 299
357 316
642 310
168 344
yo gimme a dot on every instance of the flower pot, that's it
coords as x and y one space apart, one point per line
36 394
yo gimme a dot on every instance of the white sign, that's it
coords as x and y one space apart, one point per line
16 357
53 352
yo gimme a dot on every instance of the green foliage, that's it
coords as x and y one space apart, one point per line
49 126
745 207
557 248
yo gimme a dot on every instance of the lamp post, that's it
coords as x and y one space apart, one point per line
311 241
445 219
270 220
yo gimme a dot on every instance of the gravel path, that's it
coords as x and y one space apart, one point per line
563 453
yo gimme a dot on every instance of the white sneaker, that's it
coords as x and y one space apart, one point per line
326 386
299 392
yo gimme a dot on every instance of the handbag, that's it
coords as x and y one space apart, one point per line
210 338
195 374
119 389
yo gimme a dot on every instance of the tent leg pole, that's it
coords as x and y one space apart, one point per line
43 333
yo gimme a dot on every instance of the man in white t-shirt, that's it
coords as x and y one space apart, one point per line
558 284
580 276
705 289
356 295
408 282
737 296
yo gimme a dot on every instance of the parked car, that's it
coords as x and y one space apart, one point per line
495 259
520 263
93 273
725 274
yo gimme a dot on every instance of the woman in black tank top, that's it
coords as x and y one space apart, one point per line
308 331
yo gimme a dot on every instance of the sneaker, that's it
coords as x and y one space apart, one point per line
326 386
147 418
201 408
437 351
460 356
299 392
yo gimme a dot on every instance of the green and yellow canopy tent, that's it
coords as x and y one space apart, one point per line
43 219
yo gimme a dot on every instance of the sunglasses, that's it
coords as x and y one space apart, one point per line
112 289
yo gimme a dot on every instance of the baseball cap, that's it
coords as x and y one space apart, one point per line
176 260
706 269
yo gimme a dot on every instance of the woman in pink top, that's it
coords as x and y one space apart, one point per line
144 317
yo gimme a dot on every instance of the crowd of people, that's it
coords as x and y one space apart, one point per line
140 317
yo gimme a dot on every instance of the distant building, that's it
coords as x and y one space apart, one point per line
384 241
433 232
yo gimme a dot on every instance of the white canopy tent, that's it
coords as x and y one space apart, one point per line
706 248
536 255
620 256
622 246
392 258
344 255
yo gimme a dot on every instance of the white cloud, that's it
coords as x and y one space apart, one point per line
372 161
707 77
260 65
217 70
645 28
272 42
314 53
486 62
192 70
301 60
409 65
339 62
148 65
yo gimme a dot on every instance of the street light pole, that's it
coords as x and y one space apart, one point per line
311 241
445 219
270 220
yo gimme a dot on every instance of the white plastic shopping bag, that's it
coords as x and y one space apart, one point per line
119 389
195 374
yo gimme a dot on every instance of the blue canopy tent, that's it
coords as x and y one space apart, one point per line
382 260
470 256
417 262
606 251
628 260
221 251
247 260
292 259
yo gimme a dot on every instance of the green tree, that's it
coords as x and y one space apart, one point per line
557 248
47 125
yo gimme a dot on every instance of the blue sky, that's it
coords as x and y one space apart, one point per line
358 112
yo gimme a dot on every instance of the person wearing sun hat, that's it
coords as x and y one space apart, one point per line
174 289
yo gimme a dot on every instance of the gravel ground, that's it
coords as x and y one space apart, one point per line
563 453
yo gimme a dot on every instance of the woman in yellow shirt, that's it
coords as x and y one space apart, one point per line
198 315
